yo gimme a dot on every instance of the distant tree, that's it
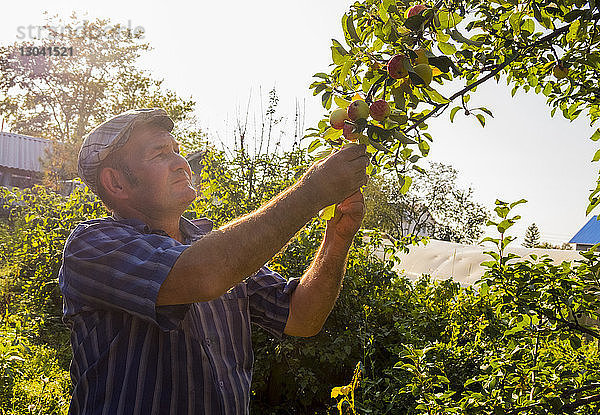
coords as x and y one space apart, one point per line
532 236
548 245
433 206
63 97
235 180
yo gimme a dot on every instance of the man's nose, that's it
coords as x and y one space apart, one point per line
179 162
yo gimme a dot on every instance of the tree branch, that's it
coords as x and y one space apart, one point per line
496 71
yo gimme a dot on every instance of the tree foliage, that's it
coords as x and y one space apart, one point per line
466 43
532 236
63 97
434 206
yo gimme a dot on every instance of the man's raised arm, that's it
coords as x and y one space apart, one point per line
224 257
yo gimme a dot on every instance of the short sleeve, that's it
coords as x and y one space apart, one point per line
269 299
112 266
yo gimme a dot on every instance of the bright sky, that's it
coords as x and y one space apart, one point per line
222 53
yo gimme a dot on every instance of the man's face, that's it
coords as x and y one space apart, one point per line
162 184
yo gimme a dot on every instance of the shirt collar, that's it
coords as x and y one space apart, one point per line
190 230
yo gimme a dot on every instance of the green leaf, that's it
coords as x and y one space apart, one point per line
573 30
327 213
344 72
457 36
547 89
481 119
487 111
314 145
447 20
436 96
332 134
596 135
572 15
528 26
447 48
415 22
515 22
518 202
453 113
350 29
341 102
326 100
399 100
424 147
532 80
596 156
338 53
501 211
443 63
406 182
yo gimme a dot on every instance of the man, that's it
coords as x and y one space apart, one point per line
160 307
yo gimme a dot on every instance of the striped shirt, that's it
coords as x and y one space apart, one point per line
133 357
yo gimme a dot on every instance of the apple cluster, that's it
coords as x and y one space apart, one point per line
344 119
397 68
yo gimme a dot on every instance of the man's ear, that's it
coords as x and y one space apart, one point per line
114 183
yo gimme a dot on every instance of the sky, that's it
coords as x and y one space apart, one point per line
227 54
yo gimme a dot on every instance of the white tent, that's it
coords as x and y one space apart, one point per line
443 260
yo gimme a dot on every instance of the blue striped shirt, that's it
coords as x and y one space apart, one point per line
133 357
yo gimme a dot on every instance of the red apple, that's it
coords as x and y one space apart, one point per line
348 132
358 109
380 110
396 67
337 118
414 10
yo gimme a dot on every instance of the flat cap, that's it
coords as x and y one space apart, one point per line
112 135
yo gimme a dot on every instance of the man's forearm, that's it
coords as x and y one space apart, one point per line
225 256
314 297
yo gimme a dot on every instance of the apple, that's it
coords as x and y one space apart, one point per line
396 67
348 132
414 10
425 73
337 118
380 110
421 57
560 71
358 109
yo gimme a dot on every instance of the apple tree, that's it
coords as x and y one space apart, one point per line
534 350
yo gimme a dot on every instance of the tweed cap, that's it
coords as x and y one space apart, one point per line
112 135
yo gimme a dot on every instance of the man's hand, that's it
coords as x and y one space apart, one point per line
338 176
347 219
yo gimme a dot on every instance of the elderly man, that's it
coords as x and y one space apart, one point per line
159 307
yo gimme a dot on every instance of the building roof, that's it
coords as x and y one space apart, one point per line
22 152
589 234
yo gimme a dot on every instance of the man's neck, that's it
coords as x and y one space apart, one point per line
169 224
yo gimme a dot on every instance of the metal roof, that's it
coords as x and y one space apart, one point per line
21 152
589 234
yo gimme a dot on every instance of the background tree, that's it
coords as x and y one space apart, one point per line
532 236
234 181
63 97
547 245
433 206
